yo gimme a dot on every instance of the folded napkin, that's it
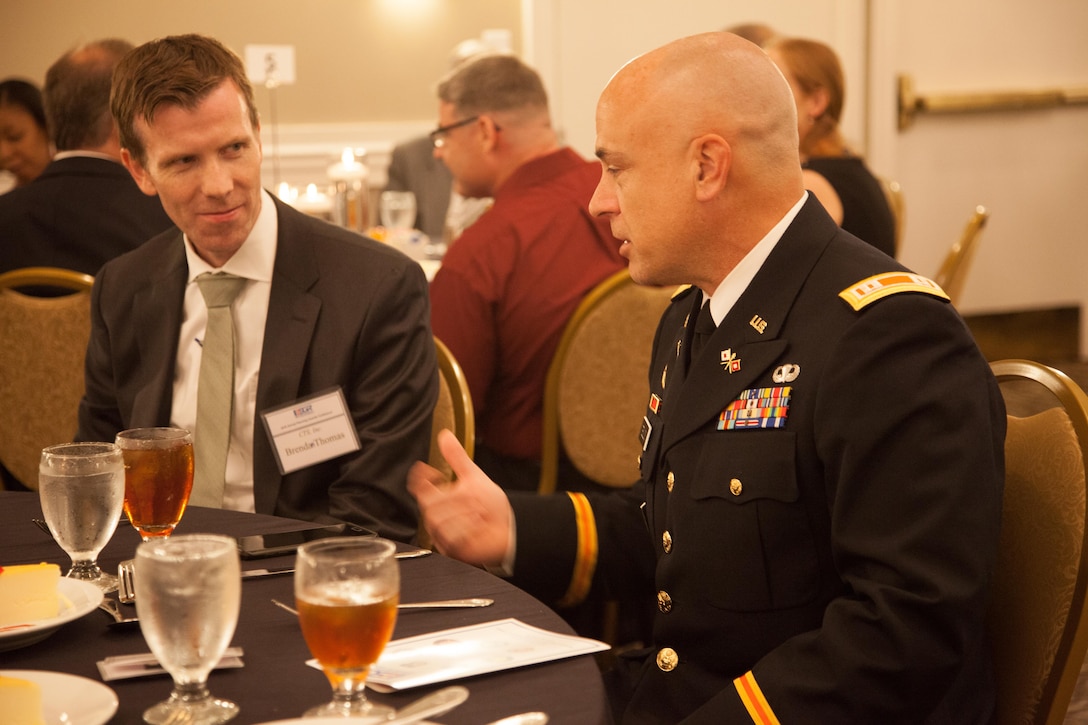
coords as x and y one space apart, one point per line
123 667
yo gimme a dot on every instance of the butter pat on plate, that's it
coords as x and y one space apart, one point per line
21 701
28 593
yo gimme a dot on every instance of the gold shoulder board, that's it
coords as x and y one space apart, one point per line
880 286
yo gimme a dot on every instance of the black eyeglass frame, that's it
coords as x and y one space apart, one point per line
438 136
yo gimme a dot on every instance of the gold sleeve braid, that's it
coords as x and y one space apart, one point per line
585 559
754 701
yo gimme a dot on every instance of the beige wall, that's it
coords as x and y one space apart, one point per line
356 60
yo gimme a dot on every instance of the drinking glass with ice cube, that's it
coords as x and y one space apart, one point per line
82 490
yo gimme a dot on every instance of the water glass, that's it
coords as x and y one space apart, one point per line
158 478
397 209
188 594
347 591
82 487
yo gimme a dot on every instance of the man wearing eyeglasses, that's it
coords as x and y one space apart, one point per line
508 286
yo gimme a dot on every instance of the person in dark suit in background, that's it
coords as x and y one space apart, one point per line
326 321
823 447
414 168
85 208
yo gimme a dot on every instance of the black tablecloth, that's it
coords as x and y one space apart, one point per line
275 682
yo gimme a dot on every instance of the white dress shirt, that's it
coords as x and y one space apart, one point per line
254 261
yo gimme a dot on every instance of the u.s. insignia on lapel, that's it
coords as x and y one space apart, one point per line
757 408
730 361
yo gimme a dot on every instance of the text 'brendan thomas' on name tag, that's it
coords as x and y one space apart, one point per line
311 430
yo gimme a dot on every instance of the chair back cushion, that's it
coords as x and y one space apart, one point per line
603 386
42 344
1042 531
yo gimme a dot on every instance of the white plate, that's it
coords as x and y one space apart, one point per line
70 700
76 599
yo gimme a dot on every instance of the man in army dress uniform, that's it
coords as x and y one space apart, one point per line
822 462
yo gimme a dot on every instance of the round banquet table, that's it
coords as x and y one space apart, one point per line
275 682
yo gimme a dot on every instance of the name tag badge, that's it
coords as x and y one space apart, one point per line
311 430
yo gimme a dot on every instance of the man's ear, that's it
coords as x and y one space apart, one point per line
139 173
712 157
489 132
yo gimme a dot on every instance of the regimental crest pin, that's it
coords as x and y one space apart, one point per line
730 361
786 373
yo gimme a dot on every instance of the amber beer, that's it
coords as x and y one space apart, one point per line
347 590
158 478
345 637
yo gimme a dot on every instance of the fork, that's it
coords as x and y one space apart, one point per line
126 590
40 523
110 607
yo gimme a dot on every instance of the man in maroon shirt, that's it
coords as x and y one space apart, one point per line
512 280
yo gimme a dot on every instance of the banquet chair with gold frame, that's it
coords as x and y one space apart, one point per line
454 407
452 410
596 390
952 274
42 344
1037 621
893 194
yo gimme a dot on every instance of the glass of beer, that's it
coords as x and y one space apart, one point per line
82 486
347 591
158 478
188 595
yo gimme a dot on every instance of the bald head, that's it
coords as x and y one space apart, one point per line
715 83
710 121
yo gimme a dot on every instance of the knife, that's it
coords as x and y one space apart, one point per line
255 573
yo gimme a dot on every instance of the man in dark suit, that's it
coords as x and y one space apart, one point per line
85 208
414 168
822 463
330 329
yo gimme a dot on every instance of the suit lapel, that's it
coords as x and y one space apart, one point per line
292 318
158 308
751 330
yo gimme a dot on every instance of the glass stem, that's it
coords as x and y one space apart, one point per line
84 569
190 692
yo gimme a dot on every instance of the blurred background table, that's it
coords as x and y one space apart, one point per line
275 682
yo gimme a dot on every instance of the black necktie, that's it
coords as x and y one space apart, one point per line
704 328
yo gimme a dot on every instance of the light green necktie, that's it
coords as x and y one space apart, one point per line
215 393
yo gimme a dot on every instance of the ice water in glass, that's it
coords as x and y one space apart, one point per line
82 490
188 594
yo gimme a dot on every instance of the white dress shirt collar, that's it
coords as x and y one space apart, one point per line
256 257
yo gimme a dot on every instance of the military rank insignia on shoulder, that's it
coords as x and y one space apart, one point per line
879 286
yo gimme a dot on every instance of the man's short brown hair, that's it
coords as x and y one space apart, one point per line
179 70
492 83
